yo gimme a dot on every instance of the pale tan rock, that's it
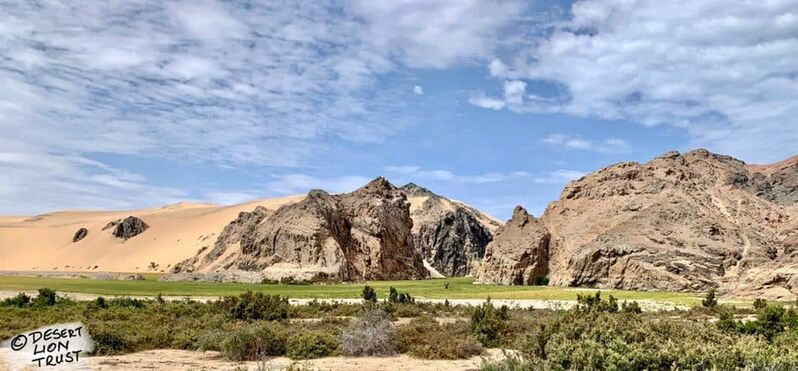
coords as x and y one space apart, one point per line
363 235
519 253
679 222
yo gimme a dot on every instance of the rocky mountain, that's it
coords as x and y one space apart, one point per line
451 236
362 235
519 253
683 222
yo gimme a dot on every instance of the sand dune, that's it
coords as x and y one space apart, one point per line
177 231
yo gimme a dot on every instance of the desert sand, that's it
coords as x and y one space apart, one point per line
44 242
183 359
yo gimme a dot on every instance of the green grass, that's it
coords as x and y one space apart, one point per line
459 288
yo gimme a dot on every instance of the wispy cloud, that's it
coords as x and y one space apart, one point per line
561 176
226 83
417 173
418 90
724 71
300 183
607 145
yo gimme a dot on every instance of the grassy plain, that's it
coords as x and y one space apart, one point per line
458 288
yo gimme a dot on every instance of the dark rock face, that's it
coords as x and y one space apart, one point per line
127 228
451 236
363 235
519 253
80 234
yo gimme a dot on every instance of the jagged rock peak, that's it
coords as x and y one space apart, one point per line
413 189
670 154
519 213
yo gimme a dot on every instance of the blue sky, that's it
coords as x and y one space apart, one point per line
495 103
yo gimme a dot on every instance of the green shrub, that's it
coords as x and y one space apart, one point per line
126 302
369 294
542 281
310 345
100 302
425 338
760 304
710 301
395 297
20 301
46 297
594 303
255 306
488 323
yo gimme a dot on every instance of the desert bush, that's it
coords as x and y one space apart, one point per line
710 301
20 301
100 302
369 294
488 323
425 338
510 362
126 302
594 303
394 296
46 297
255 306
310 345
371 334
760 303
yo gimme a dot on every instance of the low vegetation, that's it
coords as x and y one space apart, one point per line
601 332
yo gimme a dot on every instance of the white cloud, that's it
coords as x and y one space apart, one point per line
300 183
725 71
225 83
438 33
607 145
559 176
418 90
416 173
480 100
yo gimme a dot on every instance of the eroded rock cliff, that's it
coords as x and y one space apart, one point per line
519 253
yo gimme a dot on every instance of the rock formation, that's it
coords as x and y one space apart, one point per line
80 234
450 235
127 228
363 235
518 254
683 222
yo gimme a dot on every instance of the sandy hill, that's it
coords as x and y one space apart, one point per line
44 242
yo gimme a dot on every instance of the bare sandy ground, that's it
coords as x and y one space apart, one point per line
178 231
172 359
188 360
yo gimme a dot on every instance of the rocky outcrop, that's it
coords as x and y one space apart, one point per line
519 253
228 241
450 235
80 234
127 228
363 235
682 222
